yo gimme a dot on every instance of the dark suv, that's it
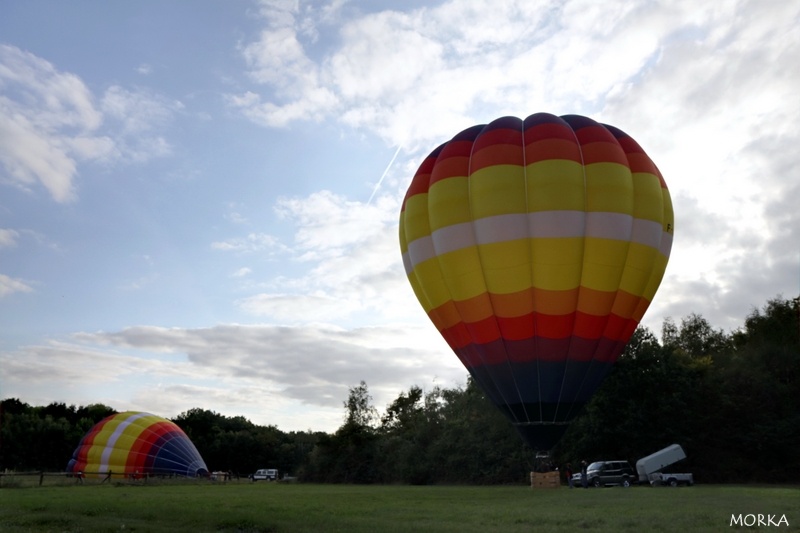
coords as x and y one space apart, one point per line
601 473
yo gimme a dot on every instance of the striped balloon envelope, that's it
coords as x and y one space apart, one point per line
535 247
136 444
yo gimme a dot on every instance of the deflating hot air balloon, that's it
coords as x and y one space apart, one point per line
535 248
136 443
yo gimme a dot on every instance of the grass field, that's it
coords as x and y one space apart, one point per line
278 507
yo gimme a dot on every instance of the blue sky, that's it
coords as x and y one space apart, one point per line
199 200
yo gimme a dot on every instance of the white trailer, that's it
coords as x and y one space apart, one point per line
649 468
673 480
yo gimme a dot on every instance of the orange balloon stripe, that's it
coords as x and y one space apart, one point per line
443 315
473 309
537 325
625 304
603 152
497 154
542 301
547 149
640 163
453 161
594 302
447 315
558 320
453 166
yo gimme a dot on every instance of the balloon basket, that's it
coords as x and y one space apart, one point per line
545 480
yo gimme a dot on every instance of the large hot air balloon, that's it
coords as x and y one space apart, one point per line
136 443
535 247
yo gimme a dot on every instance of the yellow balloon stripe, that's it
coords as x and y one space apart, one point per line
117 437
552 260
555 185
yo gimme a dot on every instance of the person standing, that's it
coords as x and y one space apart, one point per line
584 475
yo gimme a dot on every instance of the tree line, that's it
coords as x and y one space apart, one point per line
730 399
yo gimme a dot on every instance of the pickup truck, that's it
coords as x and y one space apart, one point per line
604 473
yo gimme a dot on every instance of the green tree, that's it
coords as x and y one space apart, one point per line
405 413
359 410
654 396
406 436
349 455
476 443
695 337
758 429
237 445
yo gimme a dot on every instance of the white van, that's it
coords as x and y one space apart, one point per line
268 474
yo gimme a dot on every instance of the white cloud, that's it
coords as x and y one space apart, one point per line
139 116
279 13
64 100
50 123
328 222
242 272
8 238
278 371
394 71
348 265
31 155
9 285
138 283
137 111
41 111
252 242
234 215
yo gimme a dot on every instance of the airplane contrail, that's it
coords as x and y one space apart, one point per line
378 185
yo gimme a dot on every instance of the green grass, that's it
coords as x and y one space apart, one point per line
276 507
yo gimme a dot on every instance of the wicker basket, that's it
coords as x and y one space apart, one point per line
545 480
